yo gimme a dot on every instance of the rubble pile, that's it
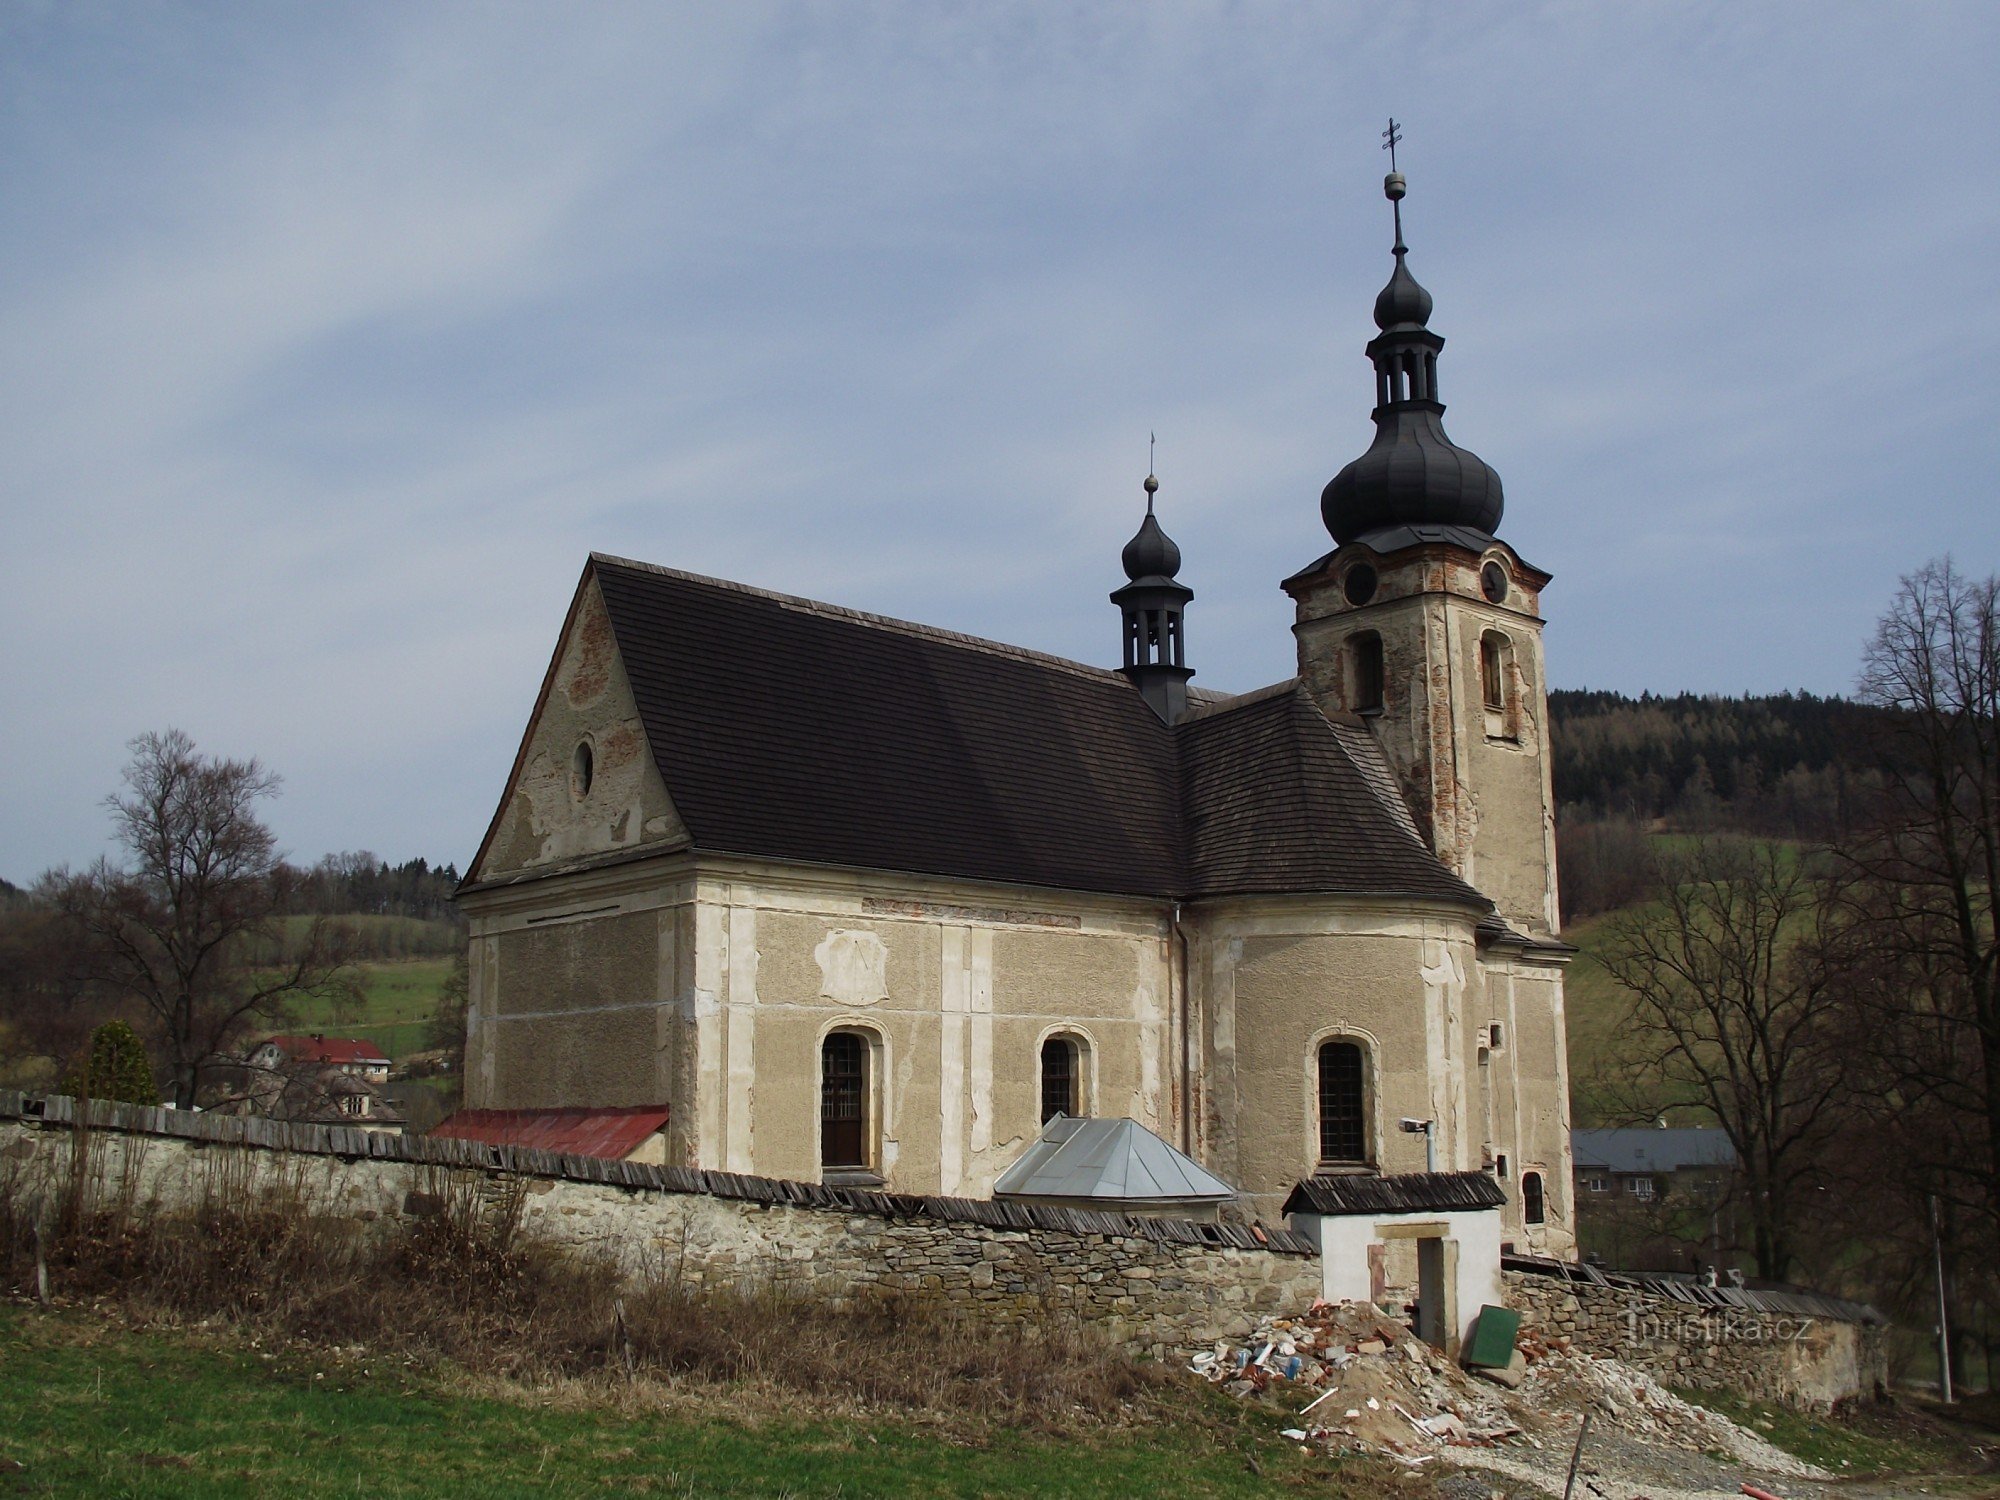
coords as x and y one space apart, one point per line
1362 1382
1639 1406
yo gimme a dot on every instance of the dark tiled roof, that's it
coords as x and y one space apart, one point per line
1407 1193
791 730
613 1134
1278 800
801 732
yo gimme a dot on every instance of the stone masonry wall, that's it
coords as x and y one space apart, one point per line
1157 1285
1800 1360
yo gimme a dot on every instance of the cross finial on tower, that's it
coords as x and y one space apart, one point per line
1152 484
1393 186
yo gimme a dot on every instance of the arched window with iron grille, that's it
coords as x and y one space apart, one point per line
1343 1104
843 1102
1062 1078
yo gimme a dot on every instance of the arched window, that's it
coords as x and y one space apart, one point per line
1343 1116
1493 670
843 1102
1365 652
1062 1078
582 770
1534 1210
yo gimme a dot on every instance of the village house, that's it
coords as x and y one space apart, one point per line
855 900
321 1080
1647 1162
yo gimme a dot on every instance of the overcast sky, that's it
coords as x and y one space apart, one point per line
334 337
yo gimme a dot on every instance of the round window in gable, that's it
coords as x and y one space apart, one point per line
582 767
1493 582
1359 585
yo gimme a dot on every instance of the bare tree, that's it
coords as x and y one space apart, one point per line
1733 1011
1929 862
189 931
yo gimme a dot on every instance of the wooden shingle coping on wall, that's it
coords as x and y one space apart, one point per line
1667 1287
1400 1193
351 1143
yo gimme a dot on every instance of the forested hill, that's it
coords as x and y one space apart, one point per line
1786 766
1781 765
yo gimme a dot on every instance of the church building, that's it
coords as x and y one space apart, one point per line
861 901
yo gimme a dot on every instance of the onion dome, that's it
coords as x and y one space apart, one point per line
1151 553
1151 610
1412 474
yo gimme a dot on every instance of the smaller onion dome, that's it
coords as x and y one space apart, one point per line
1403 303
1151 553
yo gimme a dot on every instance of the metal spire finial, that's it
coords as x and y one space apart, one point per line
1393 186
1152 484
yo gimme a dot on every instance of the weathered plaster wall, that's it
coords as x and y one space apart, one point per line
581 992
1479 785
1156 1292
1478 782
648 983
1529 1074
1277 979
548 817
955 989
1805 1361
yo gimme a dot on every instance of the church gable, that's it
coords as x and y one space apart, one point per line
584 783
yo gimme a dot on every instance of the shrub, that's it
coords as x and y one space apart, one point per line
116 1067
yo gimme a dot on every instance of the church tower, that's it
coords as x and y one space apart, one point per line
1428 626
1153 605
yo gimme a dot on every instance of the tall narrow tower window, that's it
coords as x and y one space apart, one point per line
1492 671
1365 654
1534 1206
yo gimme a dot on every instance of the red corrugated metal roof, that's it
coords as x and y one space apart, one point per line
327 1049
611 1133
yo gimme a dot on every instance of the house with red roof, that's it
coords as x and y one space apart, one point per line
321 1079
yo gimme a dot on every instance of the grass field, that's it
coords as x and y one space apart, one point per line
97 1409
1596 1008
398 999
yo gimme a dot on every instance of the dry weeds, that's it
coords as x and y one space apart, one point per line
468 1289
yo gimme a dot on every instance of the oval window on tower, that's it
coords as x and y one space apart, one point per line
1359 585
1493 582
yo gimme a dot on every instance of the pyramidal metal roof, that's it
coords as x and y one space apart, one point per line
1111 1161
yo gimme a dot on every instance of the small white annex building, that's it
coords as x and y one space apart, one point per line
1429 1240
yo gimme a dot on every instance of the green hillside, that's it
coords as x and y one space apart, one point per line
399 999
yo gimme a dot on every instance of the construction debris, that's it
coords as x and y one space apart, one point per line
1360 1380
1364 1381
